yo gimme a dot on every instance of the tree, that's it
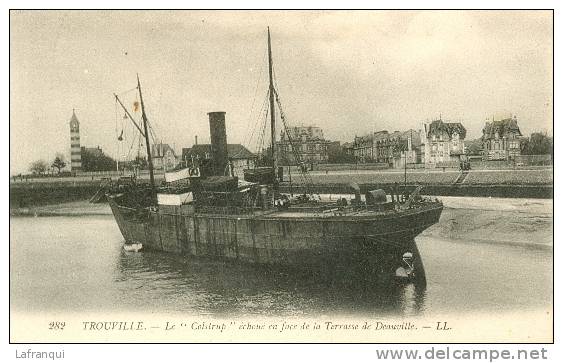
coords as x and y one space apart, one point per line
338 156
38 167
59 163
96 161
525 146
538 144
140 163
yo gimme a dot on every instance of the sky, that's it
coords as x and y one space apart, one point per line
348 72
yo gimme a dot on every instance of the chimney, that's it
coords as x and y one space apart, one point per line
218 132
195 139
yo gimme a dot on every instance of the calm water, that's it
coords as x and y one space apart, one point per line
77 264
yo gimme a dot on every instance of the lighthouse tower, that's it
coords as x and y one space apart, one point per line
75 158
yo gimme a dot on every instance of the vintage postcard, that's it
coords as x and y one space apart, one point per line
379 176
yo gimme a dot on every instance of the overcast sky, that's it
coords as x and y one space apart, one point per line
347 72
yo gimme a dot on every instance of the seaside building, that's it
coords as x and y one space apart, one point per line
443 143
239 157
501 139
163 157
75 156
373 147
348 148
389 148
306 141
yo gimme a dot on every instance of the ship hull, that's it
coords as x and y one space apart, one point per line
307 242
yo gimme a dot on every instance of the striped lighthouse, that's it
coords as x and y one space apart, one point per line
75 158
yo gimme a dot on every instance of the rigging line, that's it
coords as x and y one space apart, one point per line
276 86
261 144
256 123
159 105
252 141
264 123
137 143
128 91
115 112
130 129
256 88
116 137
128 114
259 140
149 126
305 176
152 133
250 130
258 119
133 142
283 118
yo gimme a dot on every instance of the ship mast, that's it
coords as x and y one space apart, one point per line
272 113
144 116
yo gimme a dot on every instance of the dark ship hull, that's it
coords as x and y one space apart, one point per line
283 238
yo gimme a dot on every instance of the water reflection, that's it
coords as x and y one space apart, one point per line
175 283
78 265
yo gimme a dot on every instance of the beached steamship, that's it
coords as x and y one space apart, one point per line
205 212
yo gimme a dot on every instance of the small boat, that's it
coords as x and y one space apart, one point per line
132 247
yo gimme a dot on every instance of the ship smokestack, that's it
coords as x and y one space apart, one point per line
218 132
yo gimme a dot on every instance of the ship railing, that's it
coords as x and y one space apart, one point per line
227 210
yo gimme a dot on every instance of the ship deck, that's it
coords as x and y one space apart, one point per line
321 211
356 213
333 214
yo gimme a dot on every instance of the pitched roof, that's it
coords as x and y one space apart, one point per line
502 127
235 151
159 150
238 151
74 118
386 137
414 135
450 128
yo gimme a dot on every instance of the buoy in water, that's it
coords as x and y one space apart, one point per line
407 271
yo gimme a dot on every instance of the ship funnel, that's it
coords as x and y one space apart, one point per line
218 132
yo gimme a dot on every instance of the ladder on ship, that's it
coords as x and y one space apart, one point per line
100 195
461 177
